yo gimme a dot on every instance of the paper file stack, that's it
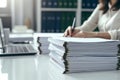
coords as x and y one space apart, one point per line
119 57
42 41
43 45
83 54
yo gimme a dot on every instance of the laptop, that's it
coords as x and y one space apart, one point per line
14 49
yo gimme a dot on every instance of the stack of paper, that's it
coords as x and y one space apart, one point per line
43 45
83 54
119 61
41 40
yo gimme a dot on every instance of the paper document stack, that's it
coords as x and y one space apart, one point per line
83 54
42 41
43 45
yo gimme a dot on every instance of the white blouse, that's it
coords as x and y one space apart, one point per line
108 22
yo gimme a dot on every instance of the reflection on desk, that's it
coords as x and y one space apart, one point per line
38 68
19 68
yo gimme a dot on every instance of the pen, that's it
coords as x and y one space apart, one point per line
73 24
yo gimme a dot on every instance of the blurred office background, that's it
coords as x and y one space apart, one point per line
46 16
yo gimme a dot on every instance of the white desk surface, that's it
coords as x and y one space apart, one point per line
37 68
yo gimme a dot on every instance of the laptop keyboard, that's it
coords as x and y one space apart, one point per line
20 48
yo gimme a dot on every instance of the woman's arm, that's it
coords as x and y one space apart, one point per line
91 23
83 34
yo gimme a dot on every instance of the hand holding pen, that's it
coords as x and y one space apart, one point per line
70 31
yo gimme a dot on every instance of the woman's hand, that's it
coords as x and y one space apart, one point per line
68 32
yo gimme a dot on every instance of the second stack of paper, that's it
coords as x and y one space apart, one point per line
83 54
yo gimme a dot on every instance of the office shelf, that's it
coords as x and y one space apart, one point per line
88 10
77 11
58 9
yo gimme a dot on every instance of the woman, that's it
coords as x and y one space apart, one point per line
106 16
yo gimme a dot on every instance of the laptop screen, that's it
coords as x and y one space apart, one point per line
2 36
